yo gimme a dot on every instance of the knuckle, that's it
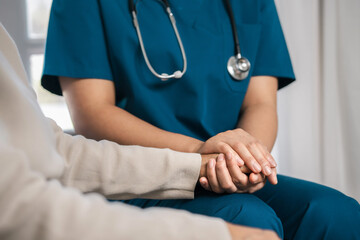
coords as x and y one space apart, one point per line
257 142
218 135
220 166
221 146
222 135
238 145
237 181
239 130
231 162
252 144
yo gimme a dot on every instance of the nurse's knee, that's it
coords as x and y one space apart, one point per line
335 213
253 213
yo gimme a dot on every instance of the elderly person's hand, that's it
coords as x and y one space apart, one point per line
219 176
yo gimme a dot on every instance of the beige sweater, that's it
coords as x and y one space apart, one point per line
51 184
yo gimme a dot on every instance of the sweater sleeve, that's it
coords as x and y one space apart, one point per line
32 207
125 172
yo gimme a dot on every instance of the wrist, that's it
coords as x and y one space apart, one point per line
194 145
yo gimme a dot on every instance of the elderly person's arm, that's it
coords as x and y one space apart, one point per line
33 207
125 172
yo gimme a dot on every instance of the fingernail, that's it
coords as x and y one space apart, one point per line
257 167
267 170
239 160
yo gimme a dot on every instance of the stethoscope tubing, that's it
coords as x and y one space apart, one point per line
163 76
238 66
234 28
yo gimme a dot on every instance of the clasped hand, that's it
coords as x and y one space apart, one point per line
234 161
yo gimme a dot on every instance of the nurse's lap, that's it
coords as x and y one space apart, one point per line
297 206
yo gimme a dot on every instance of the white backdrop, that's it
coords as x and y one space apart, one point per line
319 114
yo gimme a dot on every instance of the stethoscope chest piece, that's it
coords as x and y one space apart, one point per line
238 68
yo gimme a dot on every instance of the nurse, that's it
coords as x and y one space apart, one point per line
93 57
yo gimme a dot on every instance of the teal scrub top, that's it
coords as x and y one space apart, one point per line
97 39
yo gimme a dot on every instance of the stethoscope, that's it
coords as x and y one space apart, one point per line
237 66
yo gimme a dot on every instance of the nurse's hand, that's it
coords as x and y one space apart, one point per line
216 176
242 148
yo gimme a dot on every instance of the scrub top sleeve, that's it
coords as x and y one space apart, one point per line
76 44
273 57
